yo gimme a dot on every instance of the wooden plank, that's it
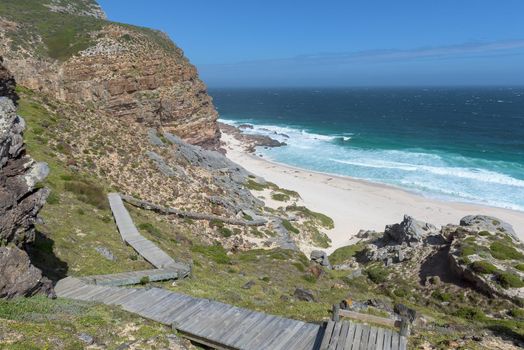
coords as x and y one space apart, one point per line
350 337
292 332
303 338
394 341
387 339
233 334
380 339
343 334
327 335
369 318
364 338
334 336
358 335
372 342
235 318
253 338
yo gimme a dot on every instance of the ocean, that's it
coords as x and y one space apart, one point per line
458 144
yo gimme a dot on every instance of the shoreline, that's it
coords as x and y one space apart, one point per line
356 204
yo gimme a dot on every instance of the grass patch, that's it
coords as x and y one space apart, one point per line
502 251
288 226
150 229
255 186
509 280
520 267
322 219
217 253
377 274
483 267
281 197
88 192
345 253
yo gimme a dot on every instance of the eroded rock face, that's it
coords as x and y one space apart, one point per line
140 76
409 230
487 223
18 277
20 202
88 8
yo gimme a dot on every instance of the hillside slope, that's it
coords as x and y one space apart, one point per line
67 50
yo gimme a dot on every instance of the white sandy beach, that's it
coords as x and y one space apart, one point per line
355 204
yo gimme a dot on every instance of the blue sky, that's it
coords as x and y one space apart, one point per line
341 43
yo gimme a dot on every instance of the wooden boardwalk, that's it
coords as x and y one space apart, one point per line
136 277
346 335
208 322
147 249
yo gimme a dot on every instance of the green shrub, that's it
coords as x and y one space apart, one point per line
470 313
150 229
483 267
377 274
401 292
53 198
344 253
144 280
280 197
516 313
324 220
225 232
216 223
484 233
88 192
441 296
503 251
247 217
520 267
255 186
288 226
217 253
509 280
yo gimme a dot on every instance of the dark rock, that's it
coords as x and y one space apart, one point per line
106 253
366 233
7 83
18 278
304 295
409 230
487 223
20 201
405 312
248 285
320 257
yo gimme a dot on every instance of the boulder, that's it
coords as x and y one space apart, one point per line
304 295
18 278
320 257
409 230
405 312
487 223
7 83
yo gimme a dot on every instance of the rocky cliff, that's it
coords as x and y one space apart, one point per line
20 200
67 50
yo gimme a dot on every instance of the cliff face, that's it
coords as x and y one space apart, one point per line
126 72
20 200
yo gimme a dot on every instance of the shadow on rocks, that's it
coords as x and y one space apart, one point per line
42 256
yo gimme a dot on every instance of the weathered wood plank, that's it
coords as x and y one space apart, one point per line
387 339
372 342
394 341
403 344
368 318
350 337
335 336
365 337
358 335
343 334
380 339
327 335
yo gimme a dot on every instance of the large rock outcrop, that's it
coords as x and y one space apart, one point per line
20 201
122 71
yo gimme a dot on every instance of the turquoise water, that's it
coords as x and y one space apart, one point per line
462 144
